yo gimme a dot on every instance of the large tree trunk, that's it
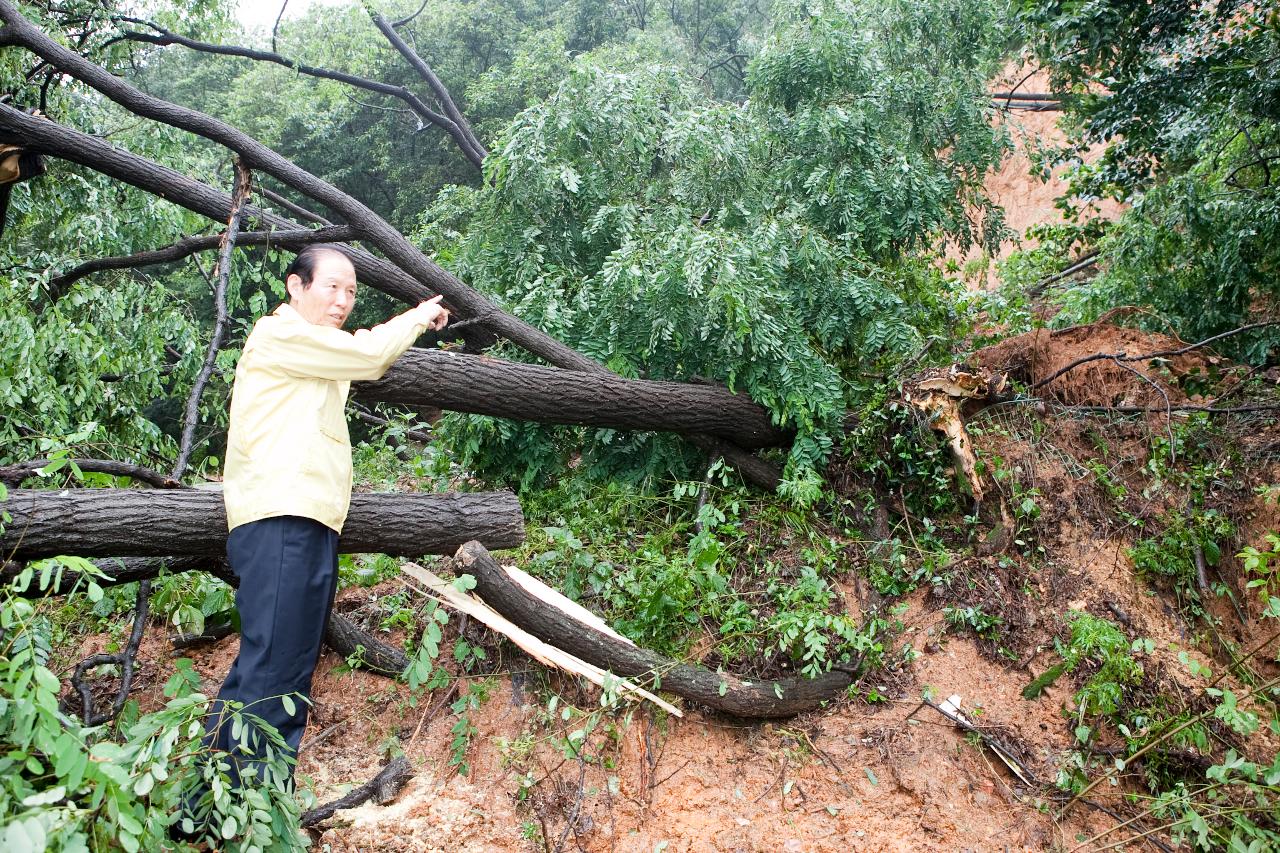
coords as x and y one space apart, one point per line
192 522
782 697
529 392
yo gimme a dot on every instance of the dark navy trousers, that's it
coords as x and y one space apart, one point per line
288 571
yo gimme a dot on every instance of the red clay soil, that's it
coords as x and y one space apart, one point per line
890 775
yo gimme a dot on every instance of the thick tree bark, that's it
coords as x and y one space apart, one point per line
782 697
192 522
507 389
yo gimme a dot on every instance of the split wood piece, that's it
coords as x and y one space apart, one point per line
784 697
193 522
939 395
445 593
529 392
382 789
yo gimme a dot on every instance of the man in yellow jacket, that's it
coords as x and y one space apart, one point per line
287 486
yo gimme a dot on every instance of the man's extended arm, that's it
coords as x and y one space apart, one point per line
322 352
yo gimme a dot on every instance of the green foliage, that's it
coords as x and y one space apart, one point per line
1185 99
672 236
70 787
638 561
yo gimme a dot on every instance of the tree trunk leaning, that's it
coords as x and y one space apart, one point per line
783 697
529 392
193 522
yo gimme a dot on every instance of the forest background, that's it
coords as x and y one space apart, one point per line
784 198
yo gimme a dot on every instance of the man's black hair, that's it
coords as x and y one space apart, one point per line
304 265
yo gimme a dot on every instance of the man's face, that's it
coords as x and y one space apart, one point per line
332 294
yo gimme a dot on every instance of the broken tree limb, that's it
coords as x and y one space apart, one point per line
382 788
362 648
291 239
126 660
227 245
771 698
408 275
192 522
18 30
445 593
529 392
14 474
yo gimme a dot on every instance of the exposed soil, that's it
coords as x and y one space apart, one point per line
886 775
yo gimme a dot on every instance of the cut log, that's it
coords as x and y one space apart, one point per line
783 697
193 522
362 648
529 392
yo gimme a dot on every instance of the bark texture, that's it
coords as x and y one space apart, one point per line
782 697
193 522
508 389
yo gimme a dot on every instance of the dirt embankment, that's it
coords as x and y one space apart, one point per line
858 775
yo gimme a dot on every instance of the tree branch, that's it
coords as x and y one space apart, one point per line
14 474
464 136
244 185
374 229
59 285
126 660
1120 356
164 38
290 206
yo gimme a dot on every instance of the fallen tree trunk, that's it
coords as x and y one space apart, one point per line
529 392
193 522
782 697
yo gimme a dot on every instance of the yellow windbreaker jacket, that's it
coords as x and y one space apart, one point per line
288 451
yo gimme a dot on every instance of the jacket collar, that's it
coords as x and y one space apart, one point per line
288 312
